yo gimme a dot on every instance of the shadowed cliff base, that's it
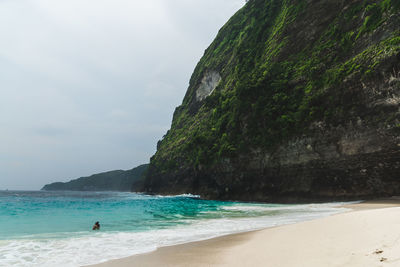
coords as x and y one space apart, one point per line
365 176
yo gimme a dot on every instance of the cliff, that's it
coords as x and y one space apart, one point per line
295 100
119 180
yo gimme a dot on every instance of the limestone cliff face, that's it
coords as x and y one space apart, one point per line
295 100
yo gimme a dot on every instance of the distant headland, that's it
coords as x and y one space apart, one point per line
117 180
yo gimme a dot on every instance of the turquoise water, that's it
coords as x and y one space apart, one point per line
60 213
51 228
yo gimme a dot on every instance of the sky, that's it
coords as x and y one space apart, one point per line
88 86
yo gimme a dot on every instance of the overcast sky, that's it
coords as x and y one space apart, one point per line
91 85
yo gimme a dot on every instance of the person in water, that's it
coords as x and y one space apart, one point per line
96 226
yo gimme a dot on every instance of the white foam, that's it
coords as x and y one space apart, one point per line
181 195
100 247
277 207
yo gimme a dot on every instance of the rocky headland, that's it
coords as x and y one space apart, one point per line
295 100
119 180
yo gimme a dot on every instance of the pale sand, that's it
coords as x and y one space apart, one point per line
367 236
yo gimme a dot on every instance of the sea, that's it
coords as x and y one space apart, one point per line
44 228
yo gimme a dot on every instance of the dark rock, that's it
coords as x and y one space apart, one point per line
306 107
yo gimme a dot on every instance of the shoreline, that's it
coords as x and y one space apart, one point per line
248 248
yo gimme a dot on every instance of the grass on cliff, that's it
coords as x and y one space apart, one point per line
274 85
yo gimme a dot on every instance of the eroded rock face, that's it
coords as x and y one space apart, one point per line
208 84
306 107
341 163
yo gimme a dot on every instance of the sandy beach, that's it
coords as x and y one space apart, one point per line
368 235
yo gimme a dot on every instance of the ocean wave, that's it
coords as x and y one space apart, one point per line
178 196
99 247
282 207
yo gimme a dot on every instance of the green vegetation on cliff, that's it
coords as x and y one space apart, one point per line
284 65
119 180
275 81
